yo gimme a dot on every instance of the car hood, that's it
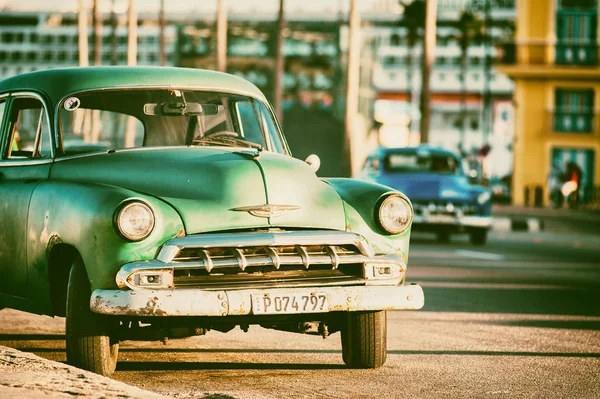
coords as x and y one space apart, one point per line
429 186
206 185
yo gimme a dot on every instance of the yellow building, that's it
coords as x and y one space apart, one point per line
557 95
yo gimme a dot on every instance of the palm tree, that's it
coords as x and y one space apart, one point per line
97 22
413 18
470 28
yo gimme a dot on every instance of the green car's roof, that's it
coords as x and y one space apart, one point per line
57 83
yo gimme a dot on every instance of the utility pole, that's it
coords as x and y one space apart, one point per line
113 34
131 60
82 27
427 64
279 64
487 98
352 83
97 22
131 34
222 36
161 39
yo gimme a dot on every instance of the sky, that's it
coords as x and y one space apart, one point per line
193 5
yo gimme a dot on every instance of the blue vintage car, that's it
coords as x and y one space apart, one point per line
443 199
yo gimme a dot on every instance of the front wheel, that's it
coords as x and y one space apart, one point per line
478 236
364 339
88 335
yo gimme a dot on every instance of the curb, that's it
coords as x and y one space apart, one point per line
521 224
24 375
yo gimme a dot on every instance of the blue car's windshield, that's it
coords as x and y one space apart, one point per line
415 162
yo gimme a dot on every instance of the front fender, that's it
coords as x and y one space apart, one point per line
360 200
81 215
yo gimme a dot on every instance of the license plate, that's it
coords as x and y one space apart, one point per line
315 302
440 219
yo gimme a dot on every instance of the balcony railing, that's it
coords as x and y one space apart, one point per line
573 122
576 54
546 53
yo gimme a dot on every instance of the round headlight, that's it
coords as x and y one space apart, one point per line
395 214
135 221
484 197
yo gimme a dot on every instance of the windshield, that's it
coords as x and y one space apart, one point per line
415 162
117 119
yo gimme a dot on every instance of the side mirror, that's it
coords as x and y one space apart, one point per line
314 162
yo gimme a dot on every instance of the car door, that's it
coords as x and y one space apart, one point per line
25 160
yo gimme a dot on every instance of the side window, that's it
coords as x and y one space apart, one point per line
249 127
2 107
29 135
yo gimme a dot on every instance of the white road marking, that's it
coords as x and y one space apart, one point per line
479 255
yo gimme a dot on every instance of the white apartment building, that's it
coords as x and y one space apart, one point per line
397 101
31 41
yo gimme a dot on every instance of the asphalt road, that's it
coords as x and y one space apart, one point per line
518 318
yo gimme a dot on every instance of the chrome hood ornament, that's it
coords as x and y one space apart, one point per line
267 210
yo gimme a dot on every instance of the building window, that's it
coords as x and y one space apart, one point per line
574 110
8 37
395 40
576 34
442 76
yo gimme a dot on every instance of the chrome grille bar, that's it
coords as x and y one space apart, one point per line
264 239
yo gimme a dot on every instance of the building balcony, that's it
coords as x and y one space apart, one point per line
544 53
542 59
584 123
573 122
576 54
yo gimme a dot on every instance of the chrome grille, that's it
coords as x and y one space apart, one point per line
250 257
316 258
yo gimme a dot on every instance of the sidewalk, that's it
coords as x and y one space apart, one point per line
27 376
564 220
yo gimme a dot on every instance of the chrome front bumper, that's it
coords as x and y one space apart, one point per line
196 302
460 221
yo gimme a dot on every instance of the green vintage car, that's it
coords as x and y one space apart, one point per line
156 203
